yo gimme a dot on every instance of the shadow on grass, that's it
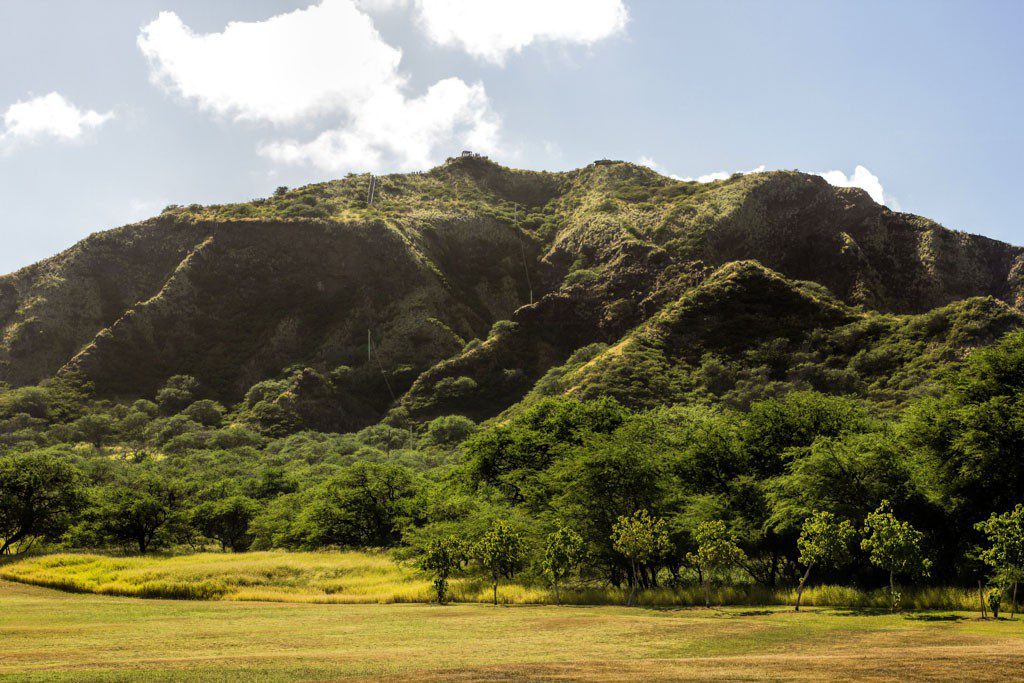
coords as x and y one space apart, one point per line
907 615
935 617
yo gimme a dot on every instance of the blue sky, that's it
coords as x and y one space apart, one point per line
109 111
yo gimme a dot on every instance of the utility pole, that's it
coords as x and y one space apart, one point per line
371 190
369 352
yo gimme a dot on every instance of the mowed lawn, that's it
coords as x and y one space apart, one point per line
51 635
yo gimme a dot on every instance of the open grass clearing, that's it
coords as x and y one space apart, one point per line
51 635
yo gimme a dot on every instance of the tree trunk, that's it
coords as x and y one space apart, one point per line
632 585
892 591
1013 602
981 598
8 545
495 591
707 592
557 599
800 588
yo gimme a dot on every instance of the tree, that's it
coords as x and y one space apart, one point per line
716 553
448 430
500 553
610 477
969 439
93 428
143 511
177 393
364 505
894 546
226 520
442 558
824 540
640 538
563 553
774 427
206 412
39 496
1005 550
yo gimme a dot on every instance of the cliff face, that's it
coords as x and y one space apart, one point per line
239 293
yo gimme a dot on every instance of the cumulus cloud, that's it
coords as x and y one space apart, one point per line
51 117
707 178
722 175
861 177
390 127
491 30
381 5
325 60
321 59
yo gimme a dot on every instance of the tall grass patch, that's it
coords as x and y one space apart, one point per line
369 577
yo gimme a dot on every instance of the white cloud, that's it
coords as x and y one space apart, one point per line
491 30
862 178
391 131
327 59
381 5
707 178
48 117
721 175
322 59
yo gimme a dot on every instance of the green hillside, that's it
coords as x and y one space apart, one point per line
484 358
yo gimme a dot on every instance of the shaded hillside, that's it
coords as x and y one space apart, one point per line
440 271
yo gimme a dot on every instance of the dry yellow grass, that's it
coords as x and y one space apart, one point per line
361 577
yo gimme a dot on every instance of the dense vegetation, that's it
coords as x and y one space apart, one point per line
603 377
586 492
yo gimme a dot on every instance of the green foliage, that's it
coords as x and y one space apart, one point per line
441 558
1003 551
448 431
205 412
40 493
968 441
500 552
509 456
177 393
227 521
365 505
141 511
563 552
893 545
716 553
824 540
641 539
93 428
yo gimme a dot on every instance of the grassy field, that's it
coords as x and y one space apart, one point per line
50 635
353 577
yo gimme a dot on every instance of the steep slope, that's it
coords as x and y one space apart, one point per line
747 333
608 254
50 310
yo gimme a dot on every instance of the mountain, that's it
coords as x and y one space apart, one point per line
471 287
